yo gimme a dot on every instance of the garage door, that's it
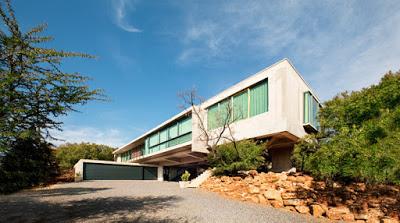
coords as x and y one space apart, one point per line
96 171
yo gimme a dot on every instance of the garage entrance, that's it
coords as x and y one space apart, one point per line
101 171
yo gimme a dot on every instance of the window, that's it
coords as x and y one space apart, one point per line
311 108
177 133
154 139
240 106
259 99
125 156
185 126
253 100
212 119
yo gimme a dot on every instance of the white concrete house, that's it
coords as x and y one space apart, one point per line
275 104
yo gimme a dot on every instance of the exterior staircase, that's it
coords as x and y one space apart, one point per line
200 179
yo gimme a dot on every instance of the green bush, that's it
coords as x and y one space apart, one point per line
360 136
230 158
69 154
185 176
27 163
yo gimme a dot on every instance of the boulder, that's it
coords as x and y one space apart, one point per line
262 200
294 202
289 195
253 173
276 203
290 208
336 213
272 194
389 220
303 209
317 210
348 217
254 190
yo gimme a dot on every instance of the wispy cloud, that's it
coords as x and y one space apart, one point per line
337 45
78 134
121 7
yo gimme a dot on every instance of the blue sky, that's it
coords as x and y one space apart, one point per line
148 51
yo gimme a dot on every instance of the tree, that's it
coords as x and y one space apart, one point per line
226 153
69 154
34 91
359 138
29 163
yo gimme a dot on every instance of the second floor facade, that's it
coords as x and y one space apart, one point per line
272 101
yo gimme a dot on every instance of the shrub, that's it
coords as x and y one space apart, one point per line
233 157
359 138
185 176
27 163
69 154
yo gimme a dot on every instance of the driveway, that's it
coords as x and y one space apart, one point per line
133 201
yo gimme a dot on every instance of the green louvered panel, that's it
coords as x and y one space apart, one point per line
259 99
212 117
164 135
173 131
185 126
154 139
224 115
307 103
311 108
240 106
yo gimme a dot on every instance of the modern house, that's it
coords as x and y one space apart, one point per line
275 105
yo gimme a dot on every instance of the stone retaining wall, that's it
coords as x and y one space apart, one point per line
300 193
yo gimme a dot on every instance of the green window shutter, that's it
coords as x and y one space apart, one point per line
307 97
311 108
212 116
154 139
185 126
240 106
173 131
259 99
225 113
164 135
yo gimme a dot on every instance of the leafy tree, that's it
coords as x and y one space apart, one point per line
29 163
34 93
229 158
68 154
360 136
34 90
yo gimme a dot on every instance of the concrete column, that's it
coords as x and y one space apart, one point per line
160 173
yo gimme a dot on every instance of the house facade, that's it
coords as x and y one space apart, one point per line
275 105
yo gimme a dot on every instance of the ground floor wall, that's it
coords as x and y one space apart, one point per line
281 158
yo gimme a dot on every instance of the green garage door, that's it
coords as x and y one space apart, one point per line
96 171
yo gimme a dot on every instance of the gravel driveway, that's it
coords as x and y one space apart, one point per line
133 201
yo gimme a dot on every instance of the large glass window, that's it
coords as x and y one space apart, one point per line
176 133
311 108
240 106
259 99
248 103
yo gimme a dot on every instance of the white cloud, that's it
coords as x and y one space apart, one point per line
76 134
121 7
337 45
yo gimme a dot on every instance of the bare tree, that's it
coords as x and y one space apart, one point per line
224 132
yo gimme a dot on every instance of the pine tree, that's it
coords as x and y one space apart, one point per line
34 90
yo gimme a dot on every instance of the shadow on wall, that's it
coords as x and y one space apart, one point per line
110 209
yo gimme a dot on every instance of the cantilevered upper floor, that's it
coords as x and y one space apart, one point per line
275 103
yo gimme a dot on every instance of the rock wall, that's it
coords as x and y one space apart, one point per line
301 193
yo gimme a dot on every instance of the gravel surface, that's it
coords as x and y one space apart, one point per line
133 201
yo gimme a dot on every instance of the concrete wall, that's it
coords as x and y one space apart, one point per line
281 158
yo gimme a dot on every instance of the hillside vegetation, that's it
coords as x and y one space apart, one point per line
359 138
